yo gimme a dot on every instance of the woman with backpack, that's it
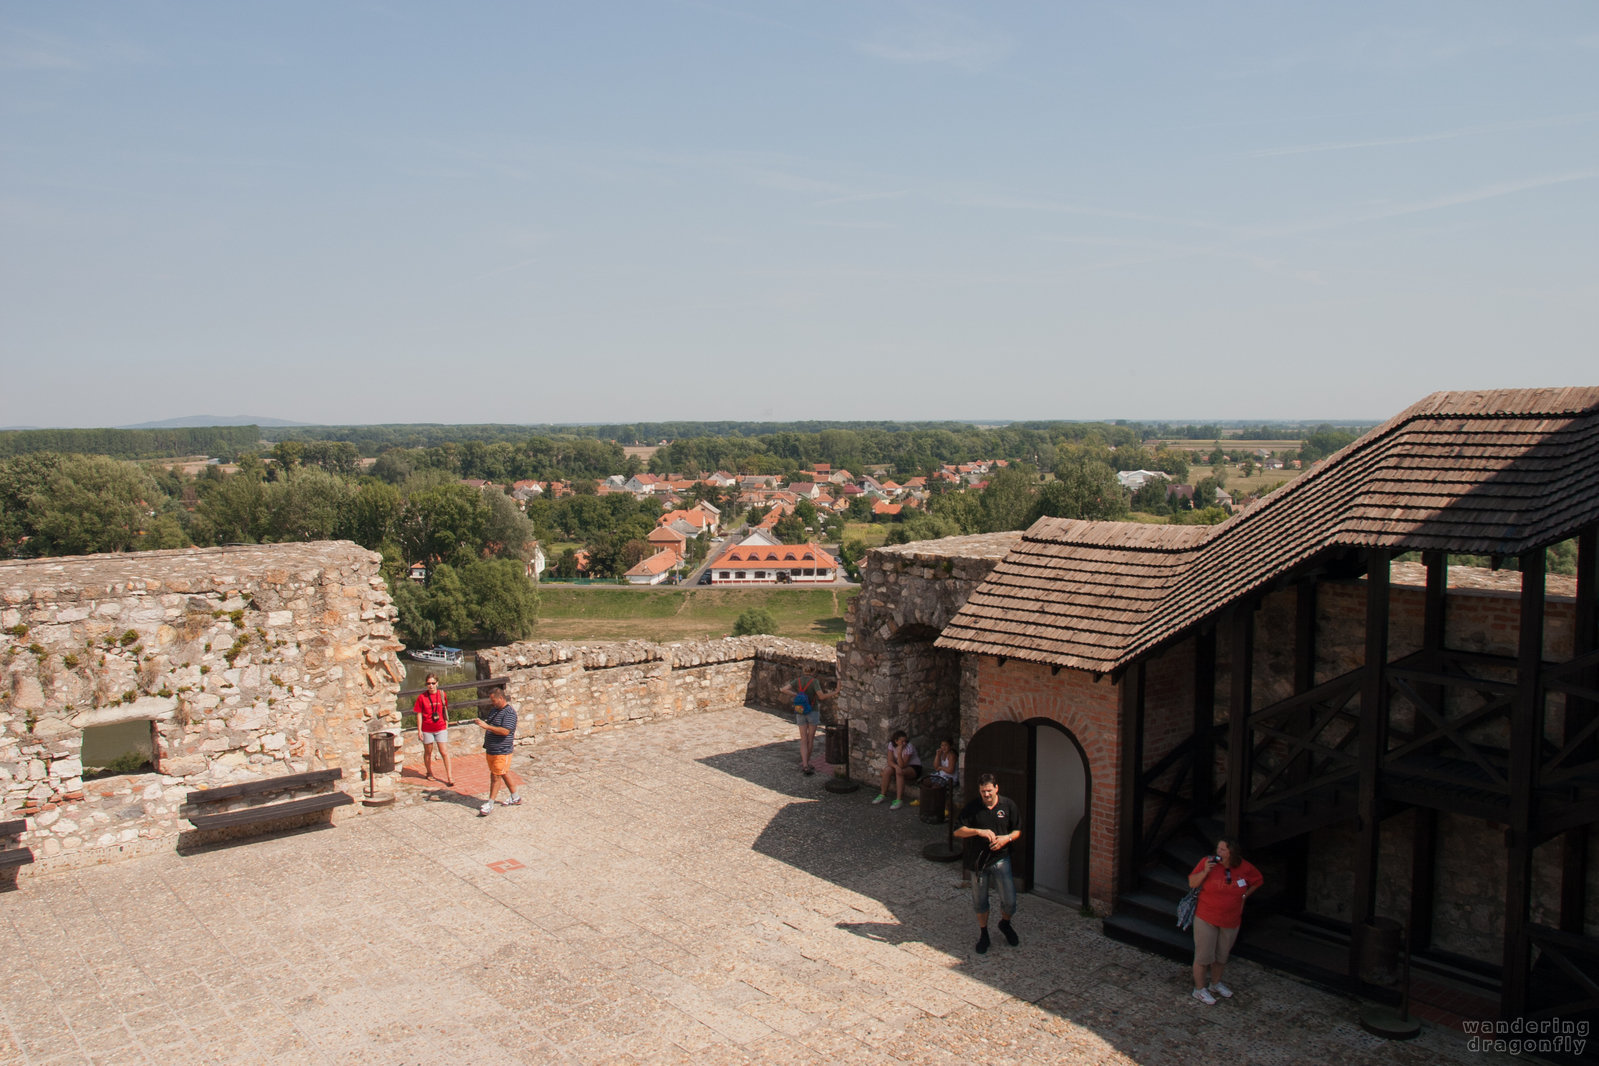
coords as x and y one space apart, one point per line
806 696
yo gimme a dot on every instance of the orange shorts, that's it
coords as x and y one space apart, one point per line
499 764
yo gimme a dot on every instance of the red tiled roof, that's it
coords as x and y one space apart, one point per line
658 563
1497 472
775 556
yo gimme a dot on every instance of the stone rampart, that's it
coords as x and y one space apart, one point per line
246 662
576 688
890 675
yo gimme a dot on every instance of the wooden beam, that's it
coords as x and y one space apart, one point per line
1579 712
1423 874
1204 775
1239 706
1373 739
1526 734
1131 804
1432 626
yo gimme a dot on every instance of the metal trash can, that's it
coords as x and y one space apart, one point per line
1381 947
380 752
838 744
931 806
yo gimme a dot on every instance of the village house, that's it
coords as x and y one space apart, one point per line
770 564
655 569
669 539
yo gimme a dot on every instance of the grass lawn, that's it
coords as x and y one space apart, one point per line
875 534
618 612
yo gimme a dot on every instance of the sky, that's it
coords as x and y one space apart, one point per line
540 212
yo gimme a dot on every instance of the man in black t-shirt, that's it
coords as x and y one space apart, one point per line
990 824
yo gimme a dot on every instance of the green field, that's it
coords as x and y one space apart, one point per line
615 612
873 533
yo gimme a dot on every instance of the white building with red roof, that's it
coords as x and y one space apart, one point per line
772 564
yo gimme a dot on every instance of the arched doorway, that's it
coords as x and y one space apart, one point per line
1041 767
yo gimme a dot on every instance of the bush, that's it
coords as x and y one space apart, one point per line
753 621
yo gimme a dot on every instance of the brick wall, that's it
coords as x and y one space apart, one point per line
1089 710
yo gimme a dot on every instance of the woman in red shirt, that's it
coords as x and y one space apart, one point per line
1224 881
433 726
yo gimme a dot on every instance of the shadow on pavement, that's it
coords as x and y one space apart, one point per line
1129 1001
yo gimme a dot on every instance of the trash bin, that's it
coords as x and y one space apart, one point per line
838 744
1381 945
380 752
931 808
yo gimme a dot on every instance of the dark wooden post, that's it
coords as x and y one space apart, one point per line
1373 740
1424 826
1204 720
1579 712
1304 669
1131 802
1526 734
1239 748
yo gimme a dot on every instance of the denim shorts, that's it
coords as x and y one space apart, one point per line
996 873
807 717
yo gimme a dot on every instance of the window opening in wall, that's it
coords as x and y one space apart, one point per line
119 748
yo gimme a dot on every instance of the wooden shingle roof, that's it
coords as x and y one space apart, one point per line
1496 472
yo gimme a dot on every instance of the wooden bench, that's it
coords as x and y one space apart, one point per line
12 855
269 812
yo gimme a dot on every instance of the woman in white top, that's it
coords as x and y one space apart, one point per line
903 766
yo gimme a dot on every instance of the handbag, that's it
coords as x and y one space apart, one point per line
1186 908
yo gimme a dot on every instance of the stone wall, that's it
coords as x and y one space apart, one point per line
576 688
890 675
248 662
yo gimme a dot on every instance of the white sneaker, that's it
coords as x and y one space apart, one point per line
512 802
485 810
1204 997
1221 990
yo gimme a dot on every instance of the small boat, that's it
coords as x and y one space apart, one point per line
438 656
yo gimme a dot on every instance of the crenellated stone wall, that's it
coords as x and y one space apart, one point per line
248 662
576 688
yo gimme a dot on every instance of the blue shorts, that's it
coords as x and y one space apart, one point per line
807 717
996 873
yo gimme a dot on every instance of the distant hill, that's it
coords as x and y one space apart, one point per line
192 421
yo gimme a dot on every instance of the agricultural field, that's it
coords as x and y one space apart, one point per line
617 612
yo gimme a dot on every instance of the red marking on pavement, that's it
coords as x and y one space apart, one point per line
505 866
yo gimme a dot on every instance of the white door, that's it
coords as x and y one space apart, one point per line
1060 800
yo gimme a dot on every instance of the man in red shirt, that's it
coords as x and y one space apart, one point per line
1224 881
433 726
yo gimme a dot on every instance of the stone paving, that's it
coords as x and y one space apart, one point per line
668 893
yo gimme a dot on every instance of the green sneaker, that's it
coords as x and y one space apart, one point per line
895 805
880 798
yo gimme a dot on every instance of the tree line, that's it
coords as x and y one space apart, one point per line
224 442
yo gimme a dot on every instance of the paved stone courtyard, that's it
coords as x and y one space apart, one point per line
673 893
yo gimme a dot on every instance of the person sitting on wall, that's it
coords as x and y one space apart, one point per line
903 766
945 761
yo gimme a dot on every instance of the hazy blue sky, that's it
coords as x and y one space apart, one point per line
537 212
